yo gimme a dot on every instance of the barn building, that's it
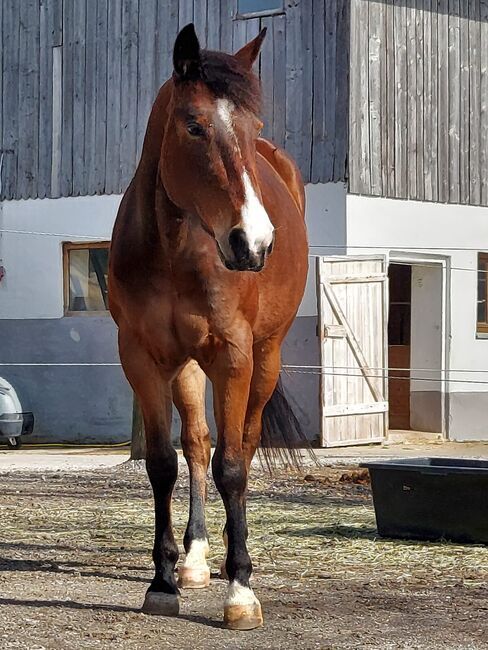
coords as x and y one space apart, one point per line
384 106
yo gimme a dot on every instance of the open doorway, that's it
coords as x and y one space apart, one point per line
416 346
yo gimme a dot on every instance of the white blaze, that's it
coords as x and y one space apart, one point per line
254 219
239 595
225 109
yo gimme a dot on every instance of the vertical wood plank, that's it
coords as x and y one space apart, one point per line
1 95
454 64
267 78
214 20
355 103
128 101
400 99
435 95
279 87
362 41
57 118
78 71
185 12
443 100
383 83
228 9
390 98
474 102
419 97
89 173
343 38
411 117
200 20
28 100
46 28
484 101
146 82
101 96
114 93
464 107
427 136
330 97
376 45
294 88
238 35
167 32
319 90
66 178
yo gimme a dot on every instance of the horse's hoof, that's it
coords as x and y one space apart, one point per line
193 577
243 617
162 604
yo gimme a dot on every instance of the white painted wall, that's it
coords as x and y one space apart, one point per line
325 216
387 225
33 282
426 327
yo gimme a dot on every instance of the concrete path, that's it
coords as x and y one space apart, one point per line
87 458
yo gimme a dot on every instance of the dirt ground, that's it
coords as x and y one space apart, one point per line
75 563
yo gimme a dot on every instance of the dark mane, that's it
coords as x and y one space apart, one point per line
228 79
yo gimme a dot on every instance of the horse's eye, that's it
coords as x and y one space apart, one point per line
196 130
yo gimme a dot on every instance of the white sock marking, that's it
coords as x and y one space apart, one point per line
196 556
239 595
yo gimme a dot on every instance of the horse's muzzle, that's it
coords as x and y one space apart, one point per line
243 258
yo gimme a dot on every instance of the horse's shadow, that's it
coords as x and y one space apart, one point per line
100 607
70 568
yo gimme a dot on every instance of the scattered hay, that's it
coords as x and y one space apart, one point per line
318 527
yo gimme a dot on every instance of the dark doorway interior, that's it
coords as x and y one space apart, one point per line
399 334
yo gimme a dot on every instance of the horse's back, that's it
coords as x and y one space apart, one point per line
286 168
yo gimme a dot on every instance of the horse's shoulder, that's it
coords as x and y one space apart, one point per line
286 168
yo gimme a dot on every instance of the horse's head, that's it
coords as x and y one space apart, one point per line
208 156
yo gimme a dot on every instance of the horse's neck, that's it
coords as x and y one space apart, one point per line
156 213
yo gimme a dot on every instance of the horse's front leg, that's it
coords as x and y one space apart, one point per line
231 376
189 397
154 394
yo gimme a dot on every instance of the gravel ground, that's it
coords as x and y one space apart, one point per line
75 563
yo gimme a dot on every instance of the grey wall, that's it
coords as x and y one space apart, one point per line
419 100
78 79
93 404
70 404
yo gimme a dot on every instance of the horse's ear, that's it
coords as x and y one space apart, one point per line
249 53
186 53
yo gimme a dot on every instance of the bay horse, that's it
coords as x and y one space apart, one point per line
208 265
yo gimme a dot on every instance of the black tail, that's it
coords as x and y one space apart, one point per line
282 437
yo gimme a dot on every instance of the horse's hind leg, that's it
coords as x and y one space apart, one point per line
154 395
189 398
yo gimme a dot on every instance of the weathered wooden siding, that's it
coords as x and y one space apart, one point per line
78 79
419 100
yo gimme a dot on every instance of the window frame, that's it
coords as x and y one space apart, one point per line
70 246
482 328
278 11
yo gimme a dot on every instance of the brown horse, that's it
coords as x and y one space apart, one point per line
207 269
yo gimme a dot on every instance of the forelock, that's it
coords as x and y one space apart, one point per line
227 78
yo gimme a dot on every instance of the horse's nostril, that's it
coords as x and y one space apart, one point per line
238 244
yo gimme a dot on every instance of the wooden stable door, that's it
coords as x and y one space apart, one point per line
352 306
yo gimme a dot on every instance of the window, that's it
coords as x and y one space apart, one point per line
259 7
85 277
482 315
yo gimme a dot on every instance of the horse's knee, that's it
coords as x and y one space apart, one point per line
229 472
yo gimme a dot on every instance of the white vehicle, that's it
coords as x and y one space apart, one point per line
14 422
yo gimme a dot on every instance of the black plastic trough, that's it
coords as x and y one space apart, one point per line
431 498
